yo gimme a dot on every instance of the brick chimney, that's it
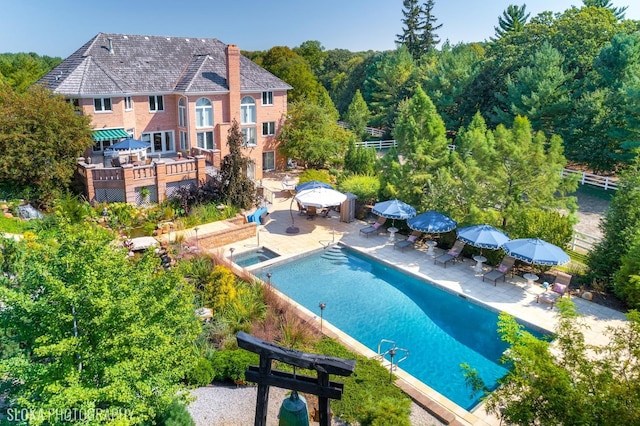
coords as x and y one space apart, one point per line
233 81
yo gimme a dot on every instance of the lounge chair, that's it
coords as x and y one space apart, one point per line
409 242
375 228
501 271
452 255
558 289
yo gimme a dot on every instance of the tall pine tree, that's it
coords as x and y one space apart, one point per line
411 33
429 39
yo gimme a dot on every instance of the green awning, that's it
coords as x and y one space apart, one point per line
109 134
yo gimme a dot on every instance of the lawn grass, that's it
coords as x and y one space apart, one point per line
13 225
594 191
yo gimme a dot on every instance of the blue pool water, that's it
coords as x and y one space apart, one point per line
254 257
370 301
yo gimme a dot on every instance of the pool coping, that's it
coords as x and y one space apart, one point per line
442 408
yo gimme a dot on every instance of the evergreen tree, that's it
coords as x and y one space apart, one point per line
626 283
412 30
512 20
357 116
239 190
539 91
428 38
620 226
422 143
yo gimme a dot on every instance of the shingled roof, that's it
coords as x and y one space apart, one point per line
117 64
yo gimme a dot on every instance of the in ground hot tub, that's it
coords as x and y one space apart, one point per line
253 257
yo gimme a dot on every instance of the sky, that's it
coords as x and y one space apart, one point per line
59 27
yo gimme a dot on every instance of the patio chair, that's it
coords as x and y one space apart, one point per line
312 212
375 228
501 271
409 242
558 289
452 255
116 162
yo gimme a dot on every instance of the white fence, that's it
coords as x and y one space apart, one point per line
605 182
378 144
373 131
583 242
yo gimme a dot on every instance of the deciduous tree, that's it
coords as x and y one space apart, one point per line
97 330
41 137
569 381
311 134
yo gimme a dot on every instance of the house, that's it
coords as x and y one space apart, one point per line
179 94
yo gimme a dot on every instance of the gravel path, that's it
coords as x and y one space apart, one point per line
235 406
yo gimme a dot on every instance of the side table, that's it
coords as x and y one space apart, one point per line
392 233
431 244
531 278
479 261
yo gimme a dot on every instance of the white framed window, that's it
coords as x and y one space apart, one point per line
102 104
204 113
248 110
182 113
128 103
268 161
183 140
160 141
269 128
249 136
267 98
156 103
205 140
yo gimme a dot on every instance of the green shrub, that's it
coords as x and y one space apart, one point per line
313 174
387 412
364 187
201 374
365 385
231 365
176 414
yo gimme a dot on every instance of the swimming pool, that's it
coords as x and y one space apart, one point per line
370 301
253 257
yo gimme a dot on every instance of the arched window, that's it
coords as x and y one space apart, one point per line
204 113
182 113
248 110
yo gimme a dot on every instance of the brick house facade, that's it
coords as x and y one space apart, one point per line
180 94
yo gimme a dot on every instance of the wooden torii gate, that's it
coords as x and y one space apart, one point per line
264 376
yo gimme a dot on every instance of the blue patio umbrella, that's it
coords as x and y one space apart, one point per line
536 251
312 184
483 236
432 222
130 144
394 209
